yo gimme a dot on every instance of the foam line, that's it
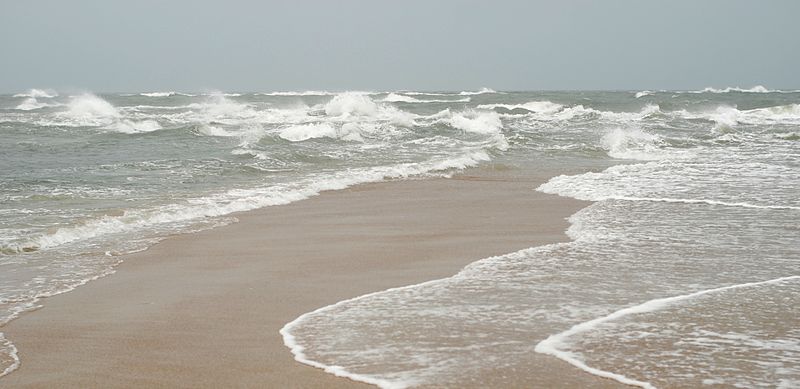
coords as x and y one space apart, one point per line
702 201
550 345
12 351
299 351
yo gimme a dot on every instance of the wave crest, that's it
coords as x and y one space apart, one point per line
477 122
351 104
38 93
632 144
482 91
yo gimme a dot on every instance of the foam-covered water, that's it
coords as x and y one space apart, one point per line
683 273
697 213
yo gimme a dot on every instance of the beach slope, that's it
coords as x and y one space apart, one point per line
204 309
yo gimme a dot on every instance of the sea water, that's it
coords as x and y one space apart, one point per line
683 272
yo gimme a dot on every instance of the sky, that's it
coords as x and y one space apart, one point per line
238 45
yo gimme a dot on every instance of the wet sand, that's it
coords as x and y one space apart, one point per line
204 309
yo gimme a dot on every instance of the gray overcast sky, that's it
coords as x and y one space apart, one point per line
238 45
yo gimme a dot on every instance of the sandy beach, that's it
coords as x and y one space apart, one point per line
204 309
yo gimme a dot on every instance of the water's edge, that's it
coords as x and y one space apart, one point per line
228 219
297 350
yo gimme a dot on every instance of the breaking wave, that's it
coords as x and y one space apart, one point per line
479 92
247 199
632 143
755 89
533 106
477 122
298 133
38 93
303 93
165 94
31 103
402 98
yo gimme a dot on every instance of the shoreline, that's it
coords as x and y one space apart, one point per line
205 309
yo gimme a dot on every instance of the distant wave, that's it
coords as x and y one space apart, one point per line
295 93
38 93
533 106
402 98
479 92
299 133
164 94
726 116
477 122
31 103
222 94
755 89
415 93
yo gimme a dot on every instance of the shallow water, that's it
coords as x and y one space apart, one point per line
703 195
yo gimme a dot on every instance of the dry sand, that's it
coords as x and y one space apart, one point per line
204 309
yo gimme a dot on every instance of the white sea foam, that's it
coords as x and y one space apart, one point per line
8 348
132 127
554 344
401 98
632 143
397 98
481 122
302 93
755 89
607 186
727 116
290 341
303 132
209 130
351 104
218 107
247 199
224 94
31 103
533 106
548 111
643 93
38 93
164 94
88 110
158 94
415 93
479 92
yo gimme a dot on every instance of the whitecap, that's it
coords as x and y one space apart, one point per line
479 92
302 132
401 98
533 106
293 93
38 93
31 103
397 98
351 104
164 94
755 89
134 127
477 122
632 143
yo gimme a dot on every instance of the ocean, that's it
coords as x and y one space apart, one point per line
684 271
